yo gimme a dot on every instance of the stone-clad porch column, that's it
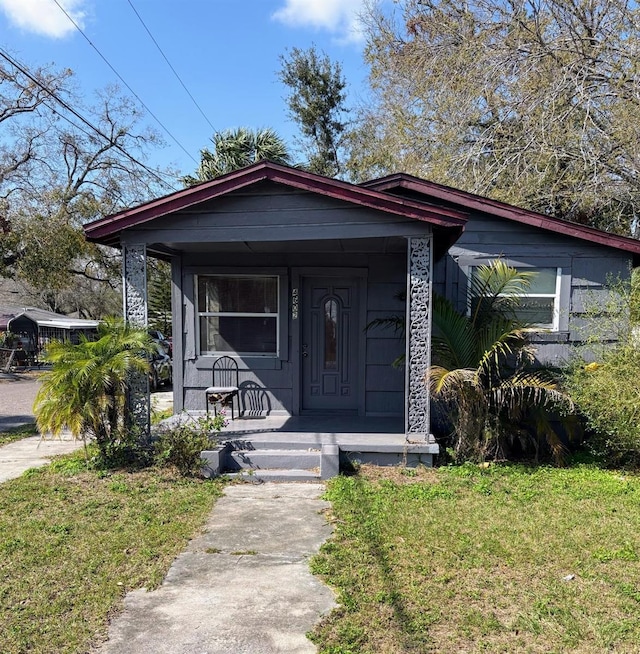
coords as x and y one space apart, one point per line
134 293
418 353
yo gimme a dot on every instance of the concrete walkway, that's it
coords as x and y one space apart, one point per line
32 452
17 392
243 586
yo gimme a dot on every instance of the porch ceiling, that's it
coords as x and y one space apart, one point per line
385 245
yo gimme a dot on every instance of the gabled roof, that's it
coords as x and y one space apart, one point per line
107 230
43 318
463 201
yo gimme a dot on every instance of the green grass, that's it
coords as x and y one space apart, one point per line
17 434
73 542
504 559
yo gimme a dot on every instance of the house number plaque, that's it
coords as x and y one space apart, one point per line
294 304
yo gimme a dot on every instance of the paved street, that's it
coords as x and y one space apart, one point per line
17 393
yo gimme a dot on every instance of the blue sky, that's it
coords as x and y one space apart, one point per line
225 51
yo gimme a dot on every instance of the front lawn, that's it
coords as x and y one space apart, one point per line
467 559
73 542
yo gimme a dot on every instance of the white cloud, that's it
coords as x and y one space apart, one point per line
338 16
44 16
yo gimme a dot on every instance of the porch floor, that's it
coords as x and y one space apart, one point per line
303 448
350 433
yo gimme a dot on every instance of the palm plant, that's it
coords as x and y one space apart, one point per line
482 372
234 149
87 388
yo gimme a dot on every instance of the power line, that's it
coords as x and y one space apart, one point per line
106 61
22 69
135 11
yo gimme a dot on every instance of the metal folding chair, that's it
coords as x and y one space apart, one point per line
225 385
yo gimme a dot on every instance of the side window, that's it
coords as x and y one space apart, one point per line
237 314
540 307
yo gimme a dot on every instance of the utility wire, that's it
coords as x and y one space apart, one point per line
106 61
135 11
22 69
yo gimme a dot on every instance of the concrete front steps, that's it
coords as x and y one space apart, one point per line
287 456
274 460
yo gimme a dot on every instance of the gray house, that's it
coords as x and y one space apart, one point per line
283 270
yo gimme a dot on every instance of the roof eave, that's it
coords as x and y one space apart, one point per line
106 230
510 212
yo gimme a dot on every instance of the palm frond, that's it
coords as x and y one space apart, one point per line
87 386
497 289
453 341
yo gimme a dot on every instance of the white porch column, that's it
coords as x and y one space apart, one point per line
418 320
134 294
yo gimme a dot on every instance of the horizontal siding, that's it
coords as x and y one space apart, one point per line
276 217
256 401
600 270
587 268
384 384
589 299
195 377
271 383
336 229
385 403
387 296
383 377
384 350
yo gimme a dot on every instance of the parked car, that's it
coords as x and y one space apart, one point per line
160 369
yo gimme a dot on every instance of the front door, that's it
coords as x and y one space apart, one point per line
329 344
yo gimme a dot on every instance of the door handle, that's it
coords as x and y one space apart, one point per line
304 350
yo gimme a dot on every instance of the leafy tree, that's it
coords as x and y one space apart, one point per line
56 174
316 102
234 149
87 388
533 103
482 371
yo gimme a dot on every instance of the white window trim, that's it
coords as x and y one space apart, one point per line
246 314
554 326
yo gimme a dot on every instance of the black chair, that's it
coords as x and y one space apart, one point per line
225 385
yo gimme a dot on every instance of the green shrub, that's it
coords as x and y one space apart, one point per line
607 394
179 443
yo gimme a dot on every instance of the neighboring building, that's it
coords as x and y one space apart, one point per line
283 270
37 327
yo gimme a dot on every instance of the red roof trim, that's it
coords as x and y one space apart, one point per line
503 210
102 228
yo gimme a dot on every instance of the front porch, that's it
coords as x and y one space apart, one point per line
309 448
292 276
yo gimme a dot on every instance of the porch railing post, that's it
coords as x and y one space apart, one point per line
418 338
134 280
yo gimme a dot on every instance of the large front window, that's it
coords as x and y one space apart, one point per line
238 314
540 305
